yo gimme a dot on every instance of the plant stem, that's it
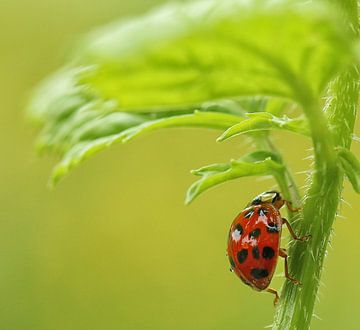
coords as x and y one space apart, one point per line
285 181
322 199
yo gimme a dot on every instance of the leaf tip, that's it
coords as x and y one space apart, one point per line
56 176
222 137
188 199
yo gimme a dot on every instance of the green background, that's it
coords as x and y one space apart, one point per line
114 247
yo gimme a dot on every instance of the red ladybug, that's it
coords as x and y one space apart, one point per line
254 241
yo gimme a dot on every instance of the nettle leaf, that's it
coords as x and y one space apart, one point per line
263 121
59 96
198 119
80 137
351 167
178 58
84 148
182 55
97 126
257 163
76 155
185 54
90 122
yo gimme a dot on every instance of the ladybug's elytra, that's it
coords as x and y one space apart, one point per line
254 241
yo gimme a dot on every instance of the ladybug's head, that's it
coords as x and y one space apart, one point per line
273 197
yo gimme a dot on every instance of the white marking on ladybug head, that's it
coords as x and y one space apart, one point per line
236 235
267 197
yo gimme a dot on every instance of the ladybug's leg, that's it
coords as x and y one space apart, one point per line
283 254
290 207
292 233
276 299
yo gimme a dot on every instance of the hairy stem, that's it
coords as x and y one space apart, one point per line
330 129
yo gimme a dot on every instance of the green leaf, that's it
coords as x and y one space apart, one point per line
82 149
87 132
182 55
185 54
99 119
198 119
59 96
264 121
351 167
76 155
257 163
90 122
97 126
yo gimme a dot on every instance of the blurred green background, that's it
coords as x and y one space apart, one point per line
114 247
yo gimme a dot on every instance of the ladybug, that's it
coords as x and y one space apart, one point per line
254 241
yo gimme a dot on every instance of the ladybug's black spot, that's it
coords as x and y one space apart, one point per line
249 214
268 252
272 227
242 255
255 233
232 263
239 228
256 252
259 273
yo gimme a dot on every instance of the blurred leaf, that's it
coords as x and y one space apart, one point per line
75 156
278 106
98 125
179 58
351 167
265 121
97 119
182 55
185 54
198 119
107 125
90 122
257 163
83 149
58 96
95 127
